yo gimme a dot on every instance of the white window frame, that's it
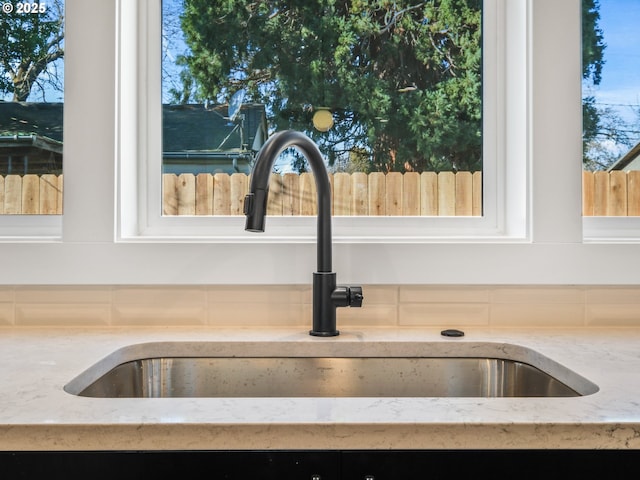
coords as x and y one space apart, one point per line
499 220
101 243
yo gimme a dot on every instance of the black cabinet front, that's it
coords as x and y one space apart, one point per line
323 465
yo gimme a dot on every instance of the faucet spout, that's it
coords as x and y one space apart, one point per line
327 296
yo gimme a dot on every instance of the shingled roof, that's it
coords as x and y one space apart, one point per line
41 119
195 128
195 137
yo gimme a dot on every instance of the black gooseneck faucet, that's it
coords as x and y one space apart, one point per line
327 296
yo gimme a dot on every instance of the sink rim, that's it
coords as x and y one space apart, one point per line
375 349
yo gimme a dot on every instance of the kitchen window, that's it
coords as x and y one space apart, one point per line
611 198
499 217
31 116
389 91
110 235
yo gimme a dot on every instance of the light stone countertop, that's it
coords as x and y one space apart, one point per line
36 413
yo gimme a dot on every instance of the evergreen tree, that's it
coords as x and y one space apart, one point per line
402 78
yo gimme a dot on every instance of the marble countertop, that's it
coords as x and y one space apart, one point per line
36 413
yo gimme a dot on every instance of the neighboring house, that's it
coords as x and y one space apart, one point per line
30 138
195 139
629 161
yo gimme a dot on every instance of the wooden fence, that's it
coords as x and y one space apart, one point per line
611 194
604 194
31 194
353 194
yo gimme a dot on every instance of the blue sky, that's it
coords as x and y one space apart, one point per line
620 86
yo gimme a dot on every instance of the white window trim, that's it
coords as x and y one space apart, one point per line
611 229
498 222
97 213
30 228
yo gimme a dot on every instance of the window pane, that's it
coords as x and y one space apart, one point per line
390 91
31 107
611 107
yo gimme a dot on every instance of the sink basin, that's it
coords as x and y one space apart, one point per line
210 369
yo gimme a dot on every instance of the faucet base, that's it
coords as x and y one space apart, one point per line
324 310
324 334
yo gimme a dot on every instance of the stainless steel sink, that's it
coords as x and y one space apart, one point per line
327 376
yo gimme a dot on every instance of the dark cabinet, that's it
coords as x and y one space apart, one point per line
183 465
322 465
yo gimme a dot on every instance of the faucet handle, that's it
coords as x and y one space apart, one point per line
247 206
355 296
344 296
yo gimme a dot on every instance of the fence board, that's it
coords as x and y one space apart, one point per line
359 194
411 194
186 189
377 194
633 185
308 200
30 194
601 193
291 194
169 195
274 203
446 194
204 194
341 194
221 194
239 185
464 194
393 193
48 195
60 193
588 193
617 194
429 194
477 194
13 194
